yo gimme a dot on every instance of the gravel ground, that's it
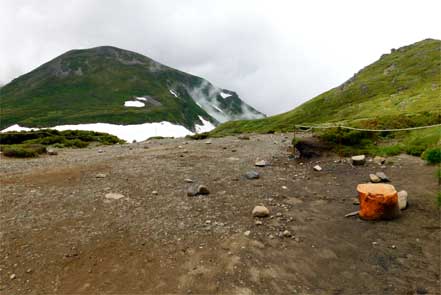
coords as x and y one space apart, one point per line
59 234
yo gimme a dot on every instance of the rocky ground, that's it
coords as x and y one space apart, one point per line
118 220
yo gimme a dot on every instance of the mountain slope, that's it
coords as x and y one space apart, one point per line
400 89
111 85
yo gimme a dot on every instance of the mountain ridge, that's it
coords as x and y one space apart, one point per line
92 86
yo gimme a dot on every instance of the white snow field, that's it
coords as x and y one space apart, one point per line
129 133
134 104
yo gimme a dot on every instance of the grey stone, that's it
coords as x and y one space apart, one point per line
382 176
114 196
252 174
51 152
196 190
317 168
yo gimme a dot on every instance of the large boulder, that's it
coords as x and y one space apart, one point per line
358 160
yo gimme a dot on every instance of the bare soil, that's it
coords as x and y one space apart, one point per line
60 235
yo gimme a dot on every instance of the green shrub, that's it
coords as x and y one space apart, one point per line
390 150
75 143
23 150
432 155
199 136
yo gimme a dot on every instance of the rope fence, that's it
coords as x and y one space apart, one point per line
362 129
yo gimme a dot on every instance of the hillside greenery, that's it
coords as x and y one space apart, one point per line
402 89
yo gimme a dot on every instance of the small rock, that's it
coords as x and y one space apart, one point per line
402 200
287 234
28 270
188 180
114 196
51 152
271 237
154 192
374 178
358 160
100 151
393 247
208 142
284 187
258 222
317 168
13 276
279 214
355 201
243 137
252 175
100 175
382 176
379 160
260 211
421 290
247 233
374 243
195 190
261 163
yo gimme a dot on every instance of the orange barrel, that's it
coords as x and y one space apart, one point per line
378 201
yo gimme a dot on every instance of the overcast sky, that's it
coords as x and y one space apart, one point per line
275 54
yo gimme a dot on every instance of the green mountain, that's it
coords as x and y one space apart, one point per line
93 85
401 89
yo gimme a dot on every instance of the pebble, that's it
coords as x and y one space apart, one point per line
100 175
279 214
197 190
355 201
51 152
13 276
154 192
28 270
317 168
243 137
114 196
100 151
261 163
393 247
258 222
358 160
188 180
260 211
208 142
252 175
287 234
374 178
247 233
284 187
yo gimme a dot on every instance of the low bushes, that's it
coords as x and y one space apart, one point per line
23 150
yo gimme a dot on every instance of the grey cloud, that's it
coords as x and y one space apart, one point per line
274 54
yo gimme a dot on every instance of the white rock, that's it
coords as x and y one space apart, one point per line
287 234
114 196
100 175
261 163
247 233
13 276
154 192
402 200
374 178
260 211
358 160
317 168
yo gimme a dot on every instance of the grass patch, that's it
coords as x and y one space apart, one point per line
33 143
23 150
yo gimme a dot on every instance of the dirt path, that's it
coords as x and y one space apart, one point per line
60 235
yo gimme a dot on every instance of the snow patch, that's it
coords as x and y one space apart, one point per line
218 109
134 104
173 93
225 95
206 126
138 132
141 98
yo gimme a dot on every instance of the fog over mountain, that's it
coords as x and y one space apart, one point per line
276 55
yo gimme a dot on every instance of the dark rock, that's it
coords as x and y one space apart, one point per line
383 177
